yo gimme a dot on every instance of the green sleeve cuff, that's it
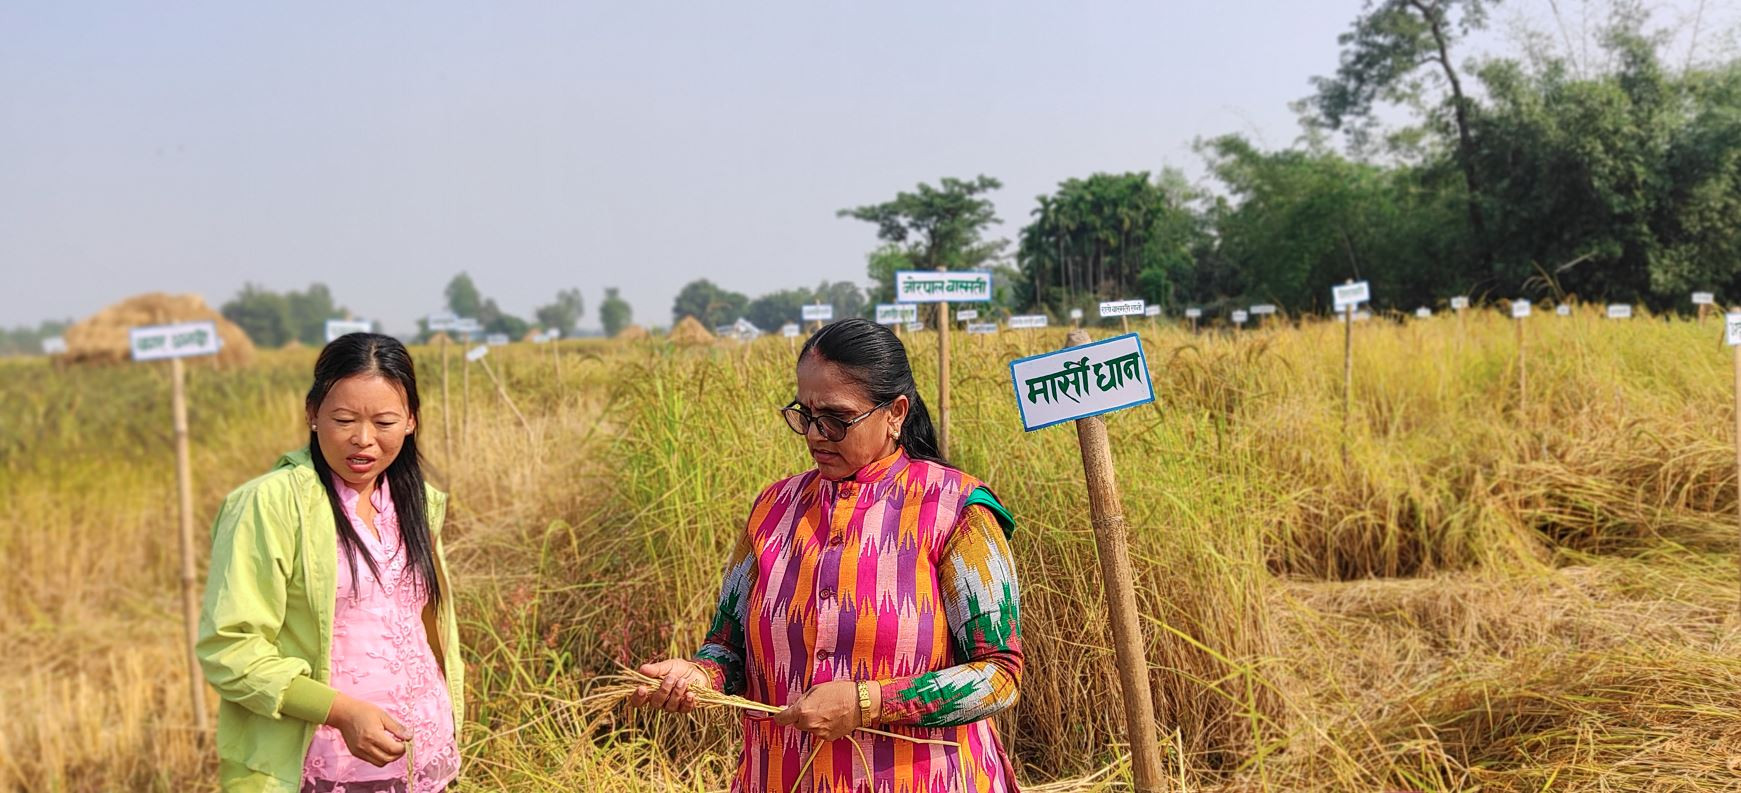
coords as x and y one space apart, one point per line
308 699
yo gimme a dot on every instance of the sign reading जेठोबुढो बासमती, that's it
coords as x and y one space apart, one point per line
960 286
158 342
1077 382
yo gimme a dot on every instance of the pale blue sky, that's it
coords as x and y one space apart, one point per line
381 148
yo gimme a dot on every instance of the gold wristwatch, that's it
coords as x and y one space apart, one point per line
864 705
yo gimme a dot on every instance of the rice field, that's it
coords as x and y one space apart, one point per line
1475 588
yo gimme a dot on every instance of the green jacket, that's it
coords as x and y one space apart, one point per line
265 631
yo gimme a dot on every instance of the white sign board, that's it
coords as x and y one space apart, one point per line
789 330
1263 309
984 328
496 339
1076 313
1563 310
915 327
540 338
818 313
1703 298
1122 308
53 345
1520 309
1083 381
967 314
477 353
896 313
1619 311
441 321
1459 303
1423 313
1193 313
1239 317
339 327
1151 311
1028 321
1732 329
1345 295
467 325
183 340
965 286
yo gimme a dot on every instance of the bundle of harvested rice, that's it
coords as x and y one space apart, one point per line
633 333
688 331
103 337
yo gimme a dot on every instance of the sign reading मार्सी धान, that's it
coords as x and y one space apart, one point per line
896 313
1028 321
822 313
967 315
1732 329
1704 298
1520 309
339 327
1459 303
1346 296
965 286
982 328
182 340
1193 313
1122 308
1083 381
1619 311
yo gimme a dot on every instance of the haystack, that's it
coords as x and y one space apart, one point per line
102 337
439 338
633 333
688 331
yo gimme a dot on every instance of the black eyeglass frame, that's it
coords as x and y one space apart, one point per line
805 419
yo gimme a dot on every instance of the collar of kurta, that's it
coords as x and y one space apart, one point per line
871 475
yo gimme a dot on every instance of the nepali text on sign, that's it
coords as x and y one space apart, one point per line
441 321
1077 382
1520 309
967 314
1263 310
1459 303
789 330
339 327
1122 308
818 313
982 328
1619 311
896 313
1151 311
1351 295
1704 298
1027 321
157 342
1239 317
1193 313
1732 329
918 286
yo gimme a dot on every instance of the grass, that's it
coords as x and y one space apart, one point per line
1472 590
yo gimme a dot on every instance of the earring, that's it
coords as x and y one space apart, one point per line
311 428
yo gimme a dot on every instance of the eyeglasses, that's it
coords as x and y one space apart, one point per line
833 429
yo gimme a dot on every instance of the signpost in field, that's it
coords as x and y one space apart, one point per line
339 327
1520 311
819 313
1619 311
1346 298
477 356
53 345
1704 301
1193 314
1081 383
1028 321
1732 337
441 323
1239 318
175 342
1124 310
942 287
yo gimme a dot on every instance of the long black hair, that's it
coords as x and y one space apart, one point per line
871 356
358 354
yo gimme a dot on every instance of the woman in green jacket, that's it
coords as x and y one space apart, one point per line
328 626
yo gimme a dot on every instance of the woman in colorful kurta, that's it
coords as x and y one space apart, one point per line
876 590
328 626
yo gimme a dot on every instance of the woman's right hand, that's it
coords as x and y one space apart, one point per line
676 690
371 735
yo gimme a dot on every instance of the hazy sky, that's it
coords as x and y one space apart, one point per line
381 148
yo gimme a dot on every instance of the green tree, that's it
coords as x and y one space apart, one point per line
463 297
1108 237
309 311
848 300
614 313
708 304
933 227
1383 58
774 309
263 315
563 314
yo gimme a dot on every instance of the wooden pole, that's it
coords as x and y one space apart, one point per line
446 416
1522 390
465 405
1111 542
1737 419
184 490
943 323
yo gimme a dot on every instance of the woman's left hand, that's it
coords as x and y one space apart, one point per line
827 711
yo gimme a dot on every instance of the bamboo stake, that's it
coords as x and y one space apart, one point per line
503 393
184 491
1111 542
446 416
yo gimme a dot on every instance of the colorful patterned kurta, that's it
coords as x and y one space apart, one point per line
900 574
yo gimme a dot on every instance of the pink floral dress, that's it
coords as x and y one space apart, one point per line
381 655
